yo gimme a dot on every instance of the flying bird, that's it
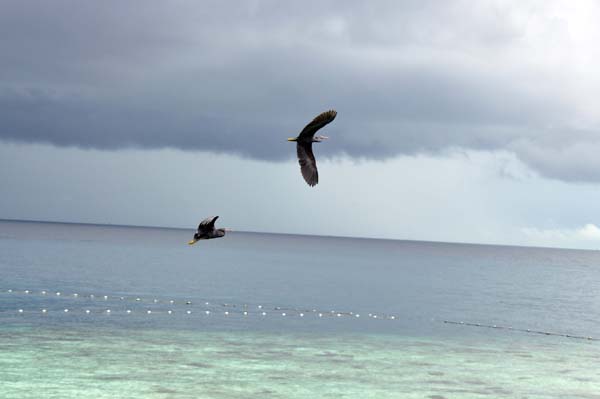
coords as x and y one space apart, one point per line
206 230
306 158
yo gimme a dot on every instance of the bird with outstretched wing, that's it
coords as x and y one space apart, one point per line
306 158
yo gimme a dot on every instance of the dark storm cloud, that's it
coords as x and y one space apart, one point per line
405 78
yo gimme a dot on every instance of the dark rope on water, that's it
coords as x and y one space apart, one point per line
525 330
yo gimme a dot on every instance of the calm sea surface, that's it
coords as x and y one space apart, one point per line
124 312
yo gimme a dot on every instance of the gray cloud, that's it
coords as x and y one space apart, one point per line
405 78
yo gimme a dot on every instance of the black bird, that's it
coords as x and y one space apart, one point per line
206 230
306 158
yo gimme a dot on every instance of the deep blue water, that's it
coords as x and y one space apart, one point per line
420 283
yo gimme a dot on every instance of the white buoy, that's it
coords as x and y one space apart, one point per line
264 313
283 314
207 312
91 296
206 303
107 310
375 316
122 298
245 313
27 291
393 317
128 311
171 301
44 310
43 292
226 313
260 306
138 299
155 300
169 311
301 314
105 297
320 314
75 295
357 315
66 310
9 291
58 294
339 315
149 311
189 312
20 310
87 311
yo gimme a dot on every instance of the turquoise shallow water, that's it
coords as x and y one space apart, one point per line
190 354
109 363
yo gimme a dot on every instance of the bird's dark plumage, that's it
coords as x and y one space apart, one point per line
207 224
317 123
207 231
306 158
308 164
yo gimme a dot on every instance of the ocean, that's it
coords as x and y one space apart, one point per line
91 311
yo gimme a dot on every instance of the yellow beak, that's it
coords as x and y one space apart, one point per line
192 242
293 139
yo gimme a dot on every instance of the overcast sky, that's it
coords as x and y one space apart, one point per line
457 121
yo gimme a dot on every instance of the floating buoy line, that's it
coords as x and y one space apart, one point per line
138 305
129 305
525 330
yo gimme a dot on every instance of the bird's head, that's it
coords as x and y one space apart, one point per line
318 139
293 139
195 239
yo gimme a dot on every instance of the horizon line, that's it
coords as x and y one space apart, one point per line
294 234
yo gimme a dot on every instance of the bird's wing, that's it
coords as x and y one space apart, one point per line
308 164
317 123
207 224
